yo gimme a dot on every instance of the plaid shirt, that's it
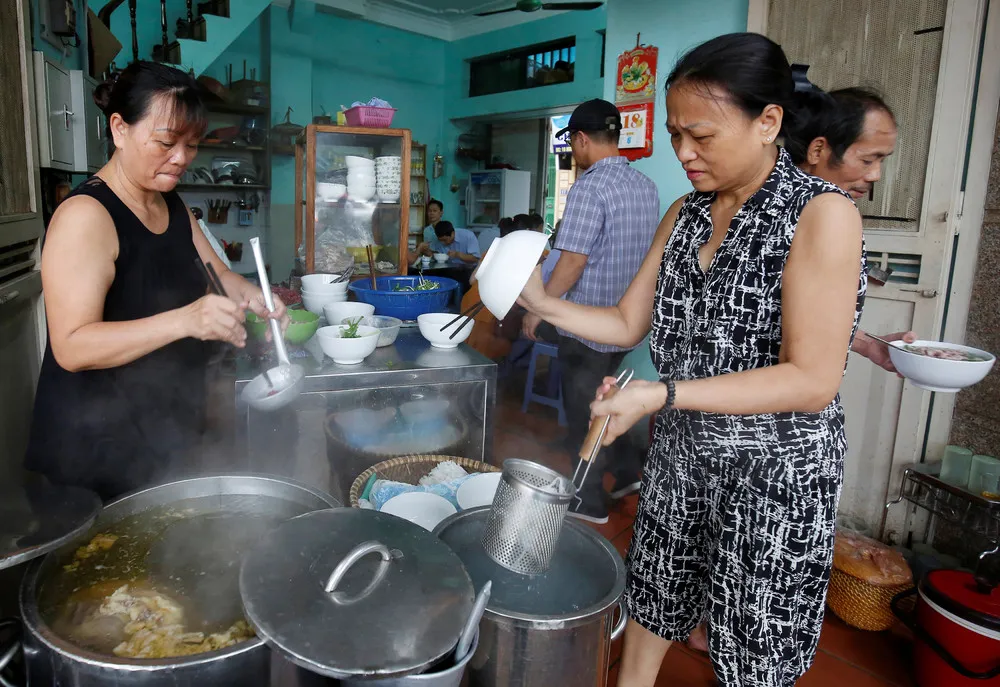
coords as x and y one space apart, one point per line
611 216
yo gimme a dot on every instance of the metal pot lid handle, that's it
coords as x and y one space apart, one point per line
359 552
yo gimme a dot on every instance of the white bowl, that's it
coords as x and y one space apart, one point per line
478 490
388 198
419 507
356 161
425 410
361 195
320 284
330 192
430 326
315 303
388 327
506 267
338 312
365 177
441 257
937 374
347 351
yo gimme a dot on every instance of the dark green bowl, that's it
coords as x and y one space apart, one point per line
302 328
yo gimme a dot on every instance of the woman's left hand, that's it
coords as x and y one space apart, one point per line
257 306
627 406
877 352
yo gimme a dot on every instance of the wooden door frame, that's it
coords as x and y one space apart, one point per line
969 222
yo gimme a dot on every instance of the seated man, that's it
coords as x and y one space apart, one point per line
459 244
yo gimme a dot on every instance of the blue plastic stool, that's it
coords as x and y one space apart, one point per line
554 396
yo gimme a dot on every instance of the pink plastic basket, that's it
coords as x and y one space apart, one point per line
372 117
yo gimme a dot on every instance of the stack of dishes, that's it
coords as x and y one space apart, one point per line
320 290
388 178
360 178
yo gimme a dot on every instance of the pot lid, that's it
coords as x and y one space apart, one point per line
957 592
37 516
349 592
586 574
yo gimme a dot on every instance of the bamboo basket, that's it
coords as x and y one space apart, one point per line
409 470
861 604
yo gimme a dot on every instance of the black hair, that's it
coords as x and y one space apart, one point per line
435 201
751 68
131 92
604 136
506 225
444 228
521 221
535 221
837 116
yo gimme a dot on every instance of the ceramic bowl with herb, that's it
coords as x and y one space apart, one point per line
348 344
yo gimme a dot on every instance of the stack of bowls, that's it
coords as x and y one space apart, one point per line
388 175
320 290
360 178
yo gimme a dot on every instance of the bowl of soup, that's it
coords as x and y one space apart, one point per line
939 366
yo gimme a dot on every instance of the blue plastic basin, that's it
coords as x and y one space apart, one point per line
406 305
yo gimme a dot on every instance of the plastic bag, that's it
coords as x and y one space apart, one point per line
345 225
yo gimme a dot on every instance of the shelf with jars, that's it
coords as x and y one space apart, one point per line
351 192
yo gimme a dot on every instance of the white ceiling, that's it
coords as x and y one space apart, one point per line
445 19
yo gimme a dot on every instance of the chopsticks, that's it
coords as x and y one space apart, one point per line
470 313
371 268
212 277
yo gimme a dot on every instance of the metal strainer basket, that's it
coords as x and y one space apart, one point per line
527 516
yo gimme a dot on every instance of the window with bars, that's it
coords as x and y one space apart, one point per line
536 65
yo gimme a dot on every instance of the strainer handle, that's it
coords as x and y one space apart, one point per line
597 432
356 554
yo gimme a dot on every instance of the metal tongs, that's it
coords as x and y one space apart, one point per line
595 436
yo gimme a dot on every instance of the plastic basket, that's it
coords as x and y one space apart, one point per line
371 117
406 305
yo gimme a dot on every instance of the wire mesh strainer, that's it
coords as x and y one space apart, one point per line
526 517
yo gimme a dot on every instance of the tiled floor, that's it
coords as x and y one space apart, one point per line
846 656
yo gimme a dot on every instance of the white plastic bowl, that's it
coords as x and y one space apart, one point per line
315 303
505 269
322 283
337 312
478 490
935 374
356 161
419 507
441 257
430 326
330 192
388 327
347 351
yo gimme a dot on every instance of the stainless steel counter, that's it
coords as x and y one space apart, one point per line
408 398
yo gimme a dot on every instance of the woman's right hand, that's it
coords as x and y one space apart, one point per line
533 295
215 318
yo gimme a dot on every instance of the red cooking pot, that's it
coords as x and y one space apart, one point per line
957 629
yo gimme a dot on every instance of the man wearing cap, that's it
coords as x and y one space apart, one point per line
611 215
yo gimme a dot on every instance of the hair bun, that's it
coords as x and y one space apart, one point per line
801 81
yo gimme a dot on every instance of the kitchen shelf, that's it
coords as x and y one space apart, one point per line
231 146
922 487
227 108
222 187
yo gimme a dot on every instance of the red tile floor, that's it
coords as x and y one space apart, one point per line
846 656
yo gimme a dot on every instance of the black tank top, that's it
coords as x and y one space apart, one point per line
119 429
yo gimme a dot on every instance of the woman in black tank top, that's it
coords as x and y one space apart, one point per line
121 393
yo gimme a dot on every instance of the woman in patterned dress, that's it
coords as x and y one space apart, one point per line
752 289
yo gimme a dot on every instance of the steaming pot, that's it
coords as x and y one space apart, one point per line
52 660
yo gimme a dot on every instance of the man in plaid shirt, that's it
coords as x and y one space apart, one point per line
611 215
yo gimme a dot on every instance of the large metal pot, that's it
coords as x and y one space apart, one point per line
555 628
52 660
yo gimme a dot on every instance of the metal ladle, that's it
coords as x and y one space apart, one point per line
280 385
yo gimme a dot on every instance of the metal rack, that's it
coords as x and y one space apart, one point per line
922 486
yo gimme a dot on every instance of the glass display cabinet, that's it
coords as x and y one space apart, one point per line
351 192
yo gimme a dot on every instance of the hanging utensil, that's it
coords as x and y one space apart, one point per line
595 437
280 385
472 624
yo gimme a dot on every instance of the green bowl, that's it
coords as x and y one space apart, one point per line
302 327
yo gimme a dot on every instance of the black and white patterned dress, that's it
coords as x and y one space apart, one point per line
736 514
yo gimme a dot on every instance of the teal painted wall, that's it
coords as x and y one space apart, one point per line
673 27
587 83
147 20
69 57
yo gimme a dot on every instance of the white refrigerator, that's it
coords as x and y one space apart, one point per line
496 193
